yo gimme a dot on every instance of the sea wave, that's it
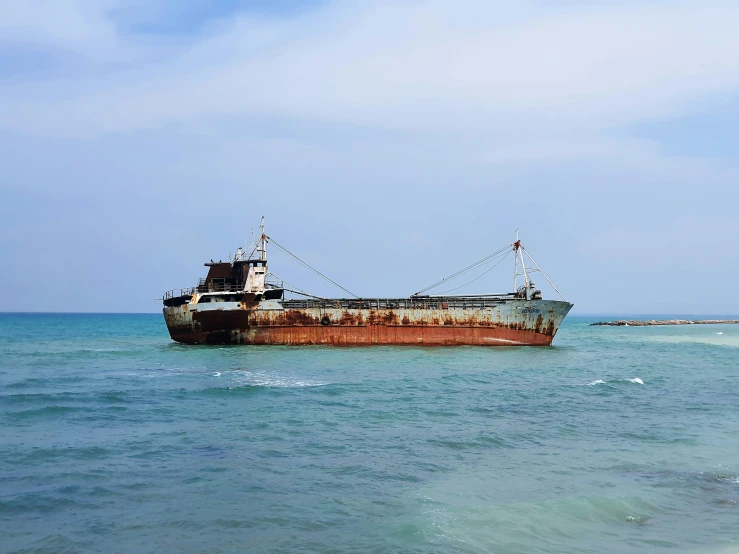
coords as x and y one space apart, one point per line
635 380
279 384
44 412
543 525
70 354
717 339
245 380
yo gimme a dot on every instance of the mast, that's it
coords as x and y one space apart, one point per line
263 249
256 272
515 263
518 256
523 266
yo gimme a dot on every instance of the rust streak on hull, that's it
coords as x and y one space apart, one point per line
512 323
366 335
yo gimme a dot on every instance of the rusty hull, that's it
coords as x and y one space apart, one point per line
513 322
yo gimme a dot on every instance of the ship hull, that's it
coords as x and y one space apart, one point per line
513 322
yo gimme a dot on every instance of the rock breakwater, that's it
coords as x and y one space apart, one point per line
638 323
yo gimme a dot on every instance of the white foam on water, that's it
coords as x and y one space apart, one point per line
635 380
285 383
727 550
716 340
272 381
217 374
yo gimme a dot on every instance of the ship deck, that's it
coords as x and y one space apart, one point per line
414 302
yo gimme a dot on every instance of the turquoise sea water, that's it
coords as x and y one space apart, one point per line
115 439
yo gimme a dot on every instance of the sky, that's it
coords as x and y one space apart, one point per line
387 143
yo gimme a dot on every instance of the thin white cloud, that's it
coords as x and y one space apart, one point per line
476 69
73 24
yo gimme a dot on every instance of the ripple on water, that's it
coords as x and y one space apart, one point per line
24 417
55 543
549 523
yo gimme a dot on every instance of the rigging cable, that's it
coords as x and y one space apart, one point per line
465 270
253 244
544 274
304 294
294 257
476 278
294 288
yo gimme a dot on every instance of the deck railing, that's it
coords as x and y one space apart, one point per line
177 293
394 303
214 285
359 303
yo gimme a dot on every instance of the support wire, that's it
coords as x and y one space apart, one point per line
544 274
479 276
294 288
465 270
294 257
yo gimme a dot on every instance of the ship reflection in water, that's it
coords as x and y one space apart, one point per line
240 302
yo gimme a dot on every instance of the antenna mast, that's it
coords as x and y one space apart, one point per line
515 264
263 236
518 250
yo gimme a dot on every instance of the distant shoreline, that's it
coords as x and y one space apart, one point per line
636 323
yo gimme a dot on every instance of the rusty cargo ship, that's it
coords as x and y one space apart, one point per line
240 302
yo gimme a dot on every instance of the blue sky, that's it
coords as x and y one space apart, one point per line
388 143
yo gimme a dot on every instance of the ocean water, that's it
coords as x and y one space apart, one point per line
615 440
